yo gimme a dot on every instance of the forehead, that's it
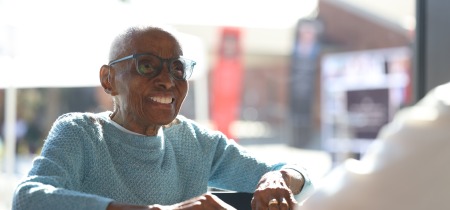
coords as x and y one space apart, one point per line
157 42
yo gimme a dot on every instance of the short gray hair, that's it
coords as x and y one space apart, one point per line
121 43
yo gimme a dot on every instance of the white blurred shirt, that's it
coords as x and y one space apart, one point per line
407 168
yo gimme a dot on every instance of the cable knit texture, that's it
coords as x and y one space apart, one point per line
87 162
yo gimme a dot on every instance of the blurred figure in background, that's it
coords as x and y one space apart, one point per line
406 168
304 82
21 129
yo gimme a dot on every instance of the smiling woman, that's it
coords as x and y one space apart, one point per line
63 44
158 158
47 44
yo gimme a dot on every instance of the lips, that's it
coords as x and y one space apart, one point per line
162 100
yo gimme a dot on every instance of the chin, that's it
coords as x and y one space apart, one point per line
167 121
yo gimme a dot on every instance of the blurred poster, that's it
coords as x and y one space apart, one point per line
303 81
227 81
368 111
360 93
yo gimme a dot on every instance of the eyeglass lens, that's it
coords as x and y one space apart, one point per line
150 66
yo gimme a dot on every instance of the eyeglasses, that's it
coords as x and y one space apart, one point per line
150 65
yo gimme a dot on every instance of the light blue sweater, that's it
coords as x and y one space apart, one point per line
87 162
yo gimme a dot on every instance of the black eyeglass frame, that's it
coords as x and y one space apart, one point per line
189 64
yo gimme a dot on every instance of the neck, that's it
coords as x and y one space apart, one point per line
147 130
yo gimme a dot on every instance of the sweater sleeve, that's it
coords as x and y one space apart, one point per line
57 173
243 177
229 165
308 187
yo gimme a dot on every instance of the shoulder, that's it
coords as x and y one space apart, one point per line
438 98
77 127
192 126
431 112
80 117
77 121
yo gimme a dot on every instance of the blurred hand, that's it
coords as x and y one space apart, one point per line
273 193
205 201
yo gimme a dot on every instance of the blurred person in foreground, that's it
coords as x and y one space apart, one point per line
406 168
143 154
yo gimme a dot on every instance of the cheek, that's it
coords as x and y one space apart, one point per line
135 100
183 91
135 96
131 97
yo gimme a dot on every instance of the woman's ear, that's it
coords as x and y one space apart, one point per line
107 78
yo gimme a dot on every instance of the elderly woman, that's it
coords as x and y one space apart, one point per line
143 154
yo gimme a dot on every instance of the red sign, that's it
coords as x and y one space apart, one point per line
227 81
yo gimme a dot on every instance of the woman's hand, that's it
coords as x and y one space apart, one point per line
273 193
205 201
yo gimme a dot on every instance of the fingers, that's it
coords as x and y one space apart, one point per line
273 193
284 205
205 201
274 204
269 199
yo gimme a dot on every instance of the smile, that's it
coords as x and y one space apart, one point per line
162 100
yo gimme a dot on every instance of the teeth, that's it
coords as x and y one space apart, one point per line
163 100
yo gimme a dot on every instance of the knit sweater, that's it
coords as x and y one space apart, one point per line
87 162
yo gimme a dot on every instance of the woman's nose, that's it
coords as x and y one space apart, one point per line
164 78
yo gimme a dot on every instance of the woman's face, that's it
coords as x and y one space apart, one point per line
144 102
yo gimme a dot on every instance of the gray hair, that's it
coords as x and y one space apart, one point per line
121 44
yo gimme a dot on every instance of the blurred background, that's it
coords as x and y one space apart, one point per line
311 81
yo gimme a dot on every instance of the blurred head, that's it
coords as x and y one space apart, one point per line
146 77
